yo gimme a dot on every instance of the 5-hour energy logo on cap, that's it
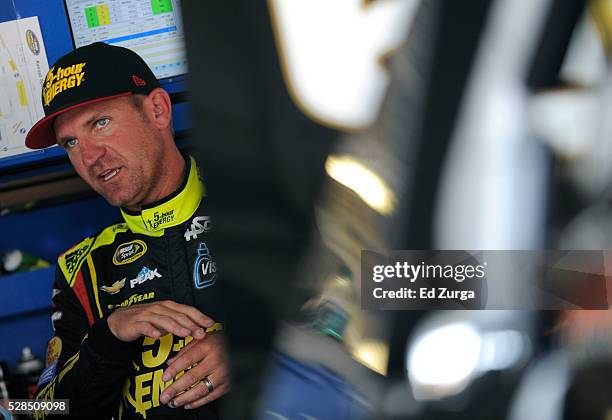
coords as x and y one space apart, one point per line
62 79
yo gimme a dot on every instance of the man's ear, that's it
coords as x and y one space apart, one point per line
161 108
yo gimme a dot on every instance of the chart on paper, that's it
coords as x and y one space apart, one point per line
152 28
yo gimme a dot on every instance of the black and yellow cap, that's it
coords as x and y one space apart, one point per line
93 73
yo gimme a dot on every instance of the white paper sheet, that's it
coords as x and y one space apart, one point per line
23 66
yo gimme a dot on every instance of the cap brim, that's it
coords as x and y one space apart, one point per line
41 135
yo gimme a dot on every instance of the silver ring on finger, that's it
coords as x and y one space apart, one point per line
206 381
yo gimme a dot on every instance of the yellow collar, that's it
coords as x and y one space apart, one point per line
177 209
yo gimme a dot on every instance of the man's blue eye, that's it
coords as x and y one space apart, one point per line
103 122
71 143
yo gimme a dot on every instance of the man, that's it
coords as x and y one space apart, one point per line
131 337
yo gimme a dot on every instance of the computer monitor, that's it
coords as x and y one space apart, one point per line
151 28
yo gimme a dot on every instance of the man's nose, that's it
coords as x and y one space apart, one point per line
91 151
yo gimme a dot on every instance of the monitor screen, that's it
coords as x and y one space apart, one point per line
151 28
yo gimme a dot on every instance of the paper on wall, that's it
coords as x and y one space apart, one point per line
23 66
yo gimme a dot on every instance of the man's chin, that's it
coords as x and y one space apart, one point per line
114 202
117 200
121 194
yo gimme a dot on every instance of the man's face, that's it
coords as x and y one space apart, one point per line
115 148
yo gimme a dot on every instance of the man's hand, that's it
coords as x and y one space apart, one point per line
157 319
210 355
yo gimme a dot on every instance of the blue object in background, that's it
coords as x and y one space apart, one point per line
53 21
296 390
47 232
25 313
25 298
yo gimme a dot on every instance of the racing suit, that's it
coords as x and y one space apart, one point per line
157 254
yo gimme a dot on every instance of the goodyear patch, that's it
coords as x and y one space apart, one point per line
129 252
71 261
62 79
135 298
54 349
